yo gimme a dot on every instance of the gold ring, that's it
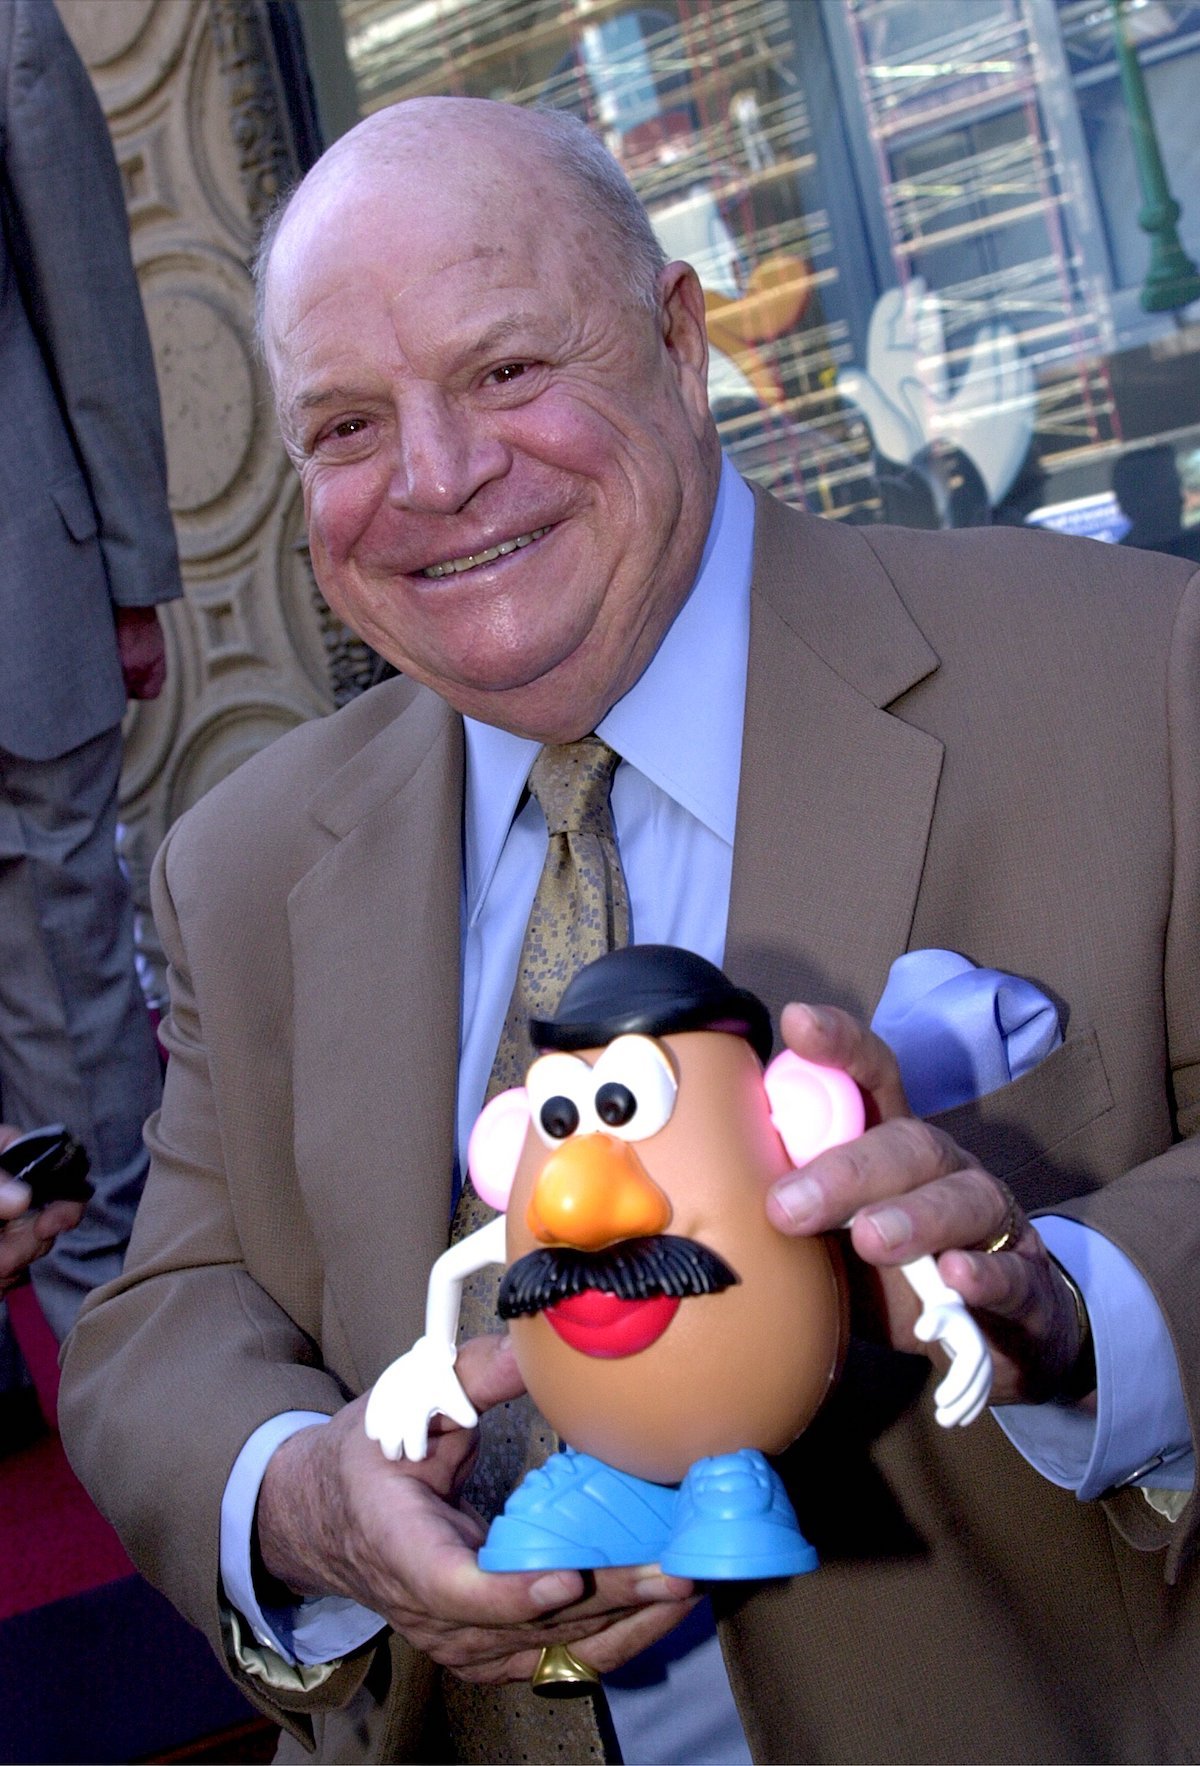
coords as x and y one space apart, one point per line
1012 1226
561 1675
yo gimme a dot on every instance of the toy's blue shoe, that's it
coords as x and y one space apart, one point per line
734 1523
575 1513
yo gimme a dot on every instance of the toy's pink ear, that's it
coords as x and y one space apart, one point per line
812 1107
495 1146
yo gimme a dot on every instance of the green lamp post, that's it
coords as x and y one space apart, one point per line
1172 280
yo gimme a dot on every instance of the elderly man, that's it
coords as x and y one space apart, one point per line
834 745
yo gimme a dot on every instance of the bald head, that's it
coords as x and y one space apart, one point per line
408 152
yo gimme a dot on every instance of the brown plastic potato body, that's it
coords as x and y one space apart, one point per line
748 1367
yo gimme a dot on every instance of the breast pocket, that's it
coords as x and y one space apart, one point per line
1037 1133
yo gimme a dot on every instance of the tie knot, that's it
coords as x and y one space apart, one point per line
572 782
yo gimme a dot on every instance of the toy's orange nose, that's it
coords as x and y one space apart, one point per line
593 1191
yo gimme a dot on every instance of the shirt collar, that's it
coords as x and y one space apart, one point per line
680 724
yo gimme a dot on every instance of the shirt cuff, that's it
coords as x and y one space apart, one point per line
314 1631
1139 1434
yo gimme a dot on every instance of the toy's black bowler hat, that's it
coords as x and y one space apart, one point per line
651 990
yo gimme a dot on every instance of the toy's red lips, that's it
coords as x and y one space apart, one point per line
616 1301
607 1327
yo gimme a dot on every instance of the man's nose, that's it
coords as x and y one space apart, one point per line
593 1191
443 457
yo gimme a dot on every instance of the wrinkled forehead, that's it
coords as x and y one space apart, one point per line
428 204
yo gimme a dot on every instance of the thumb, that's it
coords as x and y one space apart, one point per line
487 1370
15 1198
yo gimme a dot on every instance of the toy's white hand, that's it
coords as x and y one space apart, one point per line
944 1319
416 1387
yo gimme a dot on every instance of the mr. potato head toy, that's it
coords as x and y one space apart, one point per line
663 1326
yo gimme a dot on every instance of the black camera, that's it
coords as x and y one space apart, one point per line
52 1162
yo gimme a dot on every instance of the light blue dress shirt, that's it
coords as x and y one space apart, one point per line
678 731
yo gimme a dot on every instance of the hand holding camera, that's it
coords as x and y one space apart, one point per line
43 1192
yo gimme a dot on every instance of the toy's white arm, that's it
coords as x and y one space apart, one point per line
422 1384
944 1319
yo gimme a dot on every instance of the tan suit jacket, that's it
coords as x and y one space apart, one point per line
985 741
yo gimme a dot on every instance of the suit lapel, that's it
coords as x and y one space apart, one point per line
374 929
836 796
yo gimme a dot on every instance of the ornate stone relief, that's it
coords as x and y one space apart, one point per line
266 155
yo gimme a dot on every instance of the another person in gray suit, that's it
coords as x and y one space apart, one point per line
88 552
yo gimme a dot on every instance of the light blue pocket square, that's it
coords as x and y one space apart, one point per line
958 1031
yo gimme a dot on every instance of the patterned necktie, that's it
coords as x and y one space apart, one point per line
580 910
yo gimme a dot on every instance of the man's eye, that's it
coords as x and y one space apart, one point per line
509 371
338 437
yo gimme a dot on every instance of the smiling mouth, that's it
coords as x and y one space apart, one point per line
455 566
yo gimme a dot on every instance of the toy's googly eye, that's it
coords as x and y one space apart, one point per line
635 1088
560 1089
615 1105
559 1117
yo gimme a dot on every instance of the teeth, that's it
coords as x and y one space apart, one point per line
455 565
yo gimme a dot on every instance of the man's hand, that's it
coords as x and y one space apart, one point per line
142 651
24 1237
335 1516
909 1190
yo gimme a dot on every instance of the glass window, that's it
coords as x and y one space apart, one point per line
923 230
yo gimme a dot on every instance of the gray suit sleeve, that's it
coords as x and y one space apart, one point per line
67 229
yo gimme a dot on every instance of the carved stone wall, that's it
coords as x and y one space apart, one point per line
203 145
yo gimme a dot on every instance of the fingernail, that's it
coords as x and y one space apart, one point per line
14 1194
799 1199
892 1224
654 1586
553 1591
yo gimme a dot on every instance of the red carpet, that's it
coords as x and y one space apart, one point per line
95 1666
53 1542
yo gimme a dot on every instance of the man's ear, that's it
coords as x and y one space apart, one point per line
681 314
494 1148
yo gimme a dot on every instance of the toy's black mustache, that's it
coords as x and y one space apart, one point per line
634 1269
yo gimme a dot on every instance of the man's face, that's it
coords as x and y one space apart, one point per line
508 467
